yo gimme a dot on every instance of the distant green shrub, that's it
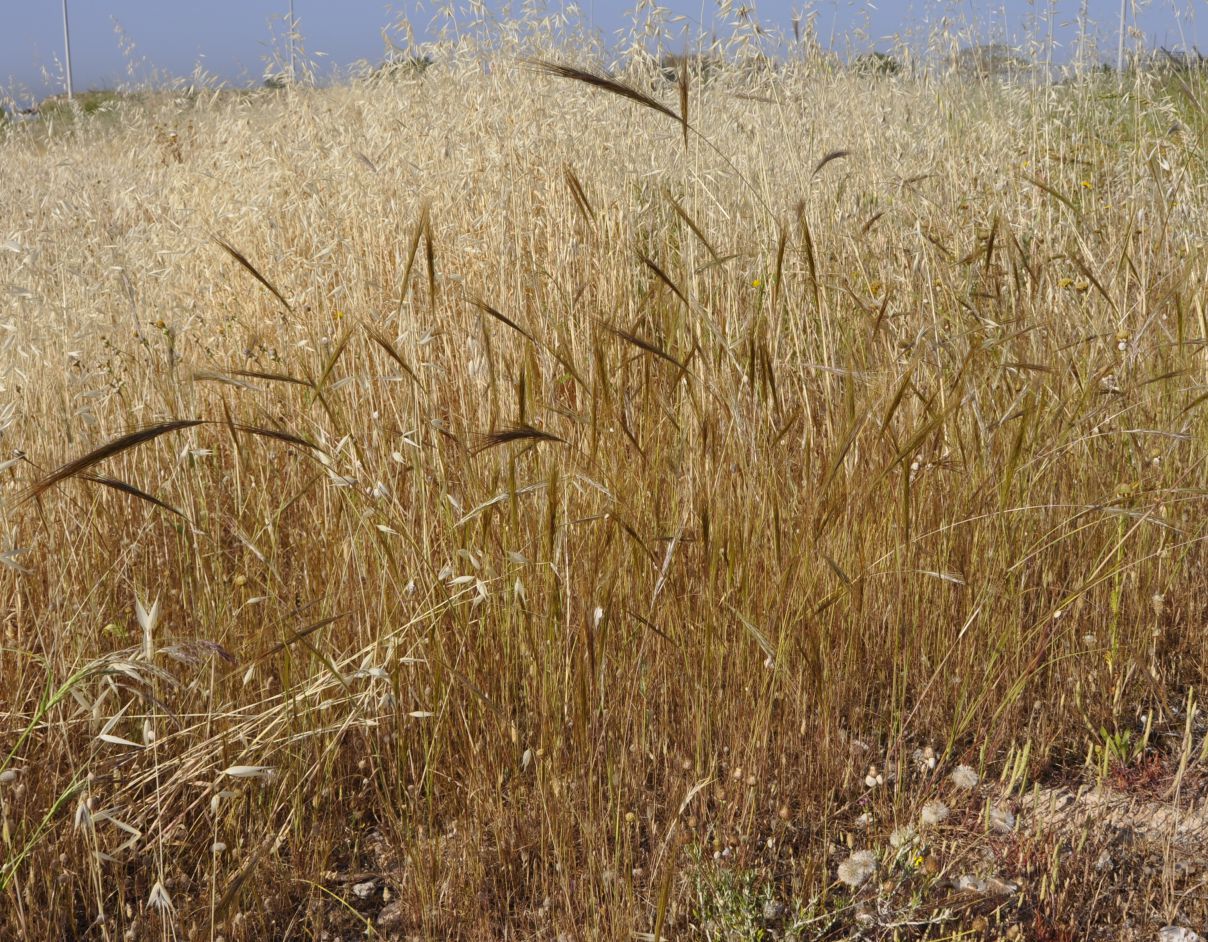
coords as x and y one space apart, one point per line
402 67
700 67
877 63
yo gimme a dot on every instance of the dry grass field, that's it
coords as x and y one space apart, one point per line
482 503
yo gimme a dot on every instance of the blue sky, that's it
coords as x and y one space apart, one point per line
231 39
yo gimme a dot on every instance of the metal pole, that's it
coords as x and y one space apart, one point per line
1120 47
291 41
67 47
1048 58
1080 64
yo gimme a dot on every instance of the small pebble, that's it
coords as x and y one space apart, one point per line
1178 934
392 916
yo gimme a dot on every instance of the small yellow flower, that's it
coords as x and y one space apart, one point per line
1087 185
337 314
757 283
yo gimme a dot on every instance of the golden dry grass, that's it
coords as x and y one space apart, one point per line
589 504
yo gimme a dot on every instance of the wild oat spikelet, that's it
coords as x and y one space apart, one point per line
159 899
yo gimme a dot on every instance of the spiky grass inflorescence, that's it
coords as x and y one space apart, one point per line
109 450
605 83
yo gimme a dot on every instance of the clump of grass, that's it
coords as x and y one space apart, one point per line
604 513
